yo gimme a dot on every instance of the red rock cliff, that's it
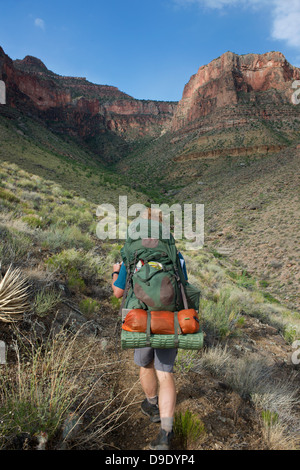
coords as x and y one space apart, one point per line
81 107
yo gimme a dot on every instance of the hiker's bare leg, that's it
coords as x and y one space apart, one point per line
148 380
167 394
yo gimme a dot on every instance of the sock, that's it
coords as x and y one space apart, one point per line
153 400
166 424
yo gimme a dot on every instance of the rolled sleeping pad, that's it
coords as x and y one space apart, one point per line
134 340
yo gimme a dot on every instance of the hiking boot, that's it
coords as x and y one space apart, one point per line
163 441
150 410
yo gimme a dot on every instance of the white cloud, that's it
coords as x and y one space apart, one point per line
285 15
286 24
220 4
39 23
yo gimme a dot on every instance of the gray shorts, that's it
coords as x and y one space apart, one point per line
163 358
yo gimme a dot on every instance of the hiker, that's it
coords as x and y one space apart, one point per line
156 366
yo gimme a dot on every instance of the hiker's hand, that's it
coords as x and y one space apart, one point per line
117 267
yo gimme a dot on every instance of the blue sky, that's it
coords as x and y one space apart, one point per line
146 48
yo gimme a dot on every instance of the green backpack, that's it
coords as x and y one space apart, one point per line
159 283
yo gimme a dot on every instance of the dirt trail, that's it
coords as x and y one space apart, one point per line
231 422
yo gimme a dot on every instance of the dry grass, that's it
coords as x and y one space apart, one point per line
56 390
278 400
253 378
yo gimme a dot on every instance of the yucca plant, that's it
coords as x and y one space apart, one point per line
13 296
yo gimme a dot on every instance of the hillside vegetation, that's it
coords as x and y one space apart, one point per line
66 146
29 143
251 203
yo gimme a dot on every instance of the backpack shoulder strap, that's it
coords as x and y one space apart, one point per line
180 280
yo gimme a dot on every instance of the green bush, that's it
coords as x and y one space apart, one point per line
89 306
62 238
34 221
66 215
221 315
290 333
243 279
45 301
269 297
115 303
188 428
14 246
39 393
8 196
76 283
270 418
77 264
27 184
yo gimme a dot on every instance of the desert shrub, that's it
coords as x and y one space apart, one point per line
89 306
290 333
14 245
216 360
45 300
69 237
221 315
243 280
85 219
249 376
269 418
112 254
115 303
185 360
216 253
67 194
77 263
8 196
75 282
34 221
65 215
31 185
269 298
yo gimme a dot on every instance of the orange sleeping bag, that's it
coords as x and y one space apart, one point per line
136 320
162 322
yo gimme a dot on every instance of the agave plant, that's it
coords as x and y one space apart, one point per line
13 296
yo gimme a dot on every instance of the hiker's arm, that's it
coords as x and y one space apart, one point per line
116 290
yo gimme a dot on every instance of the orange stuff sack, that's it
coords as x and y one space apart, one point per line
162 322
135 320
188 321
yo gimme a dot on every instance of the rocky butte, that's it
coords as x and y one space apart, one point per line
79 107
225 81
237 105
